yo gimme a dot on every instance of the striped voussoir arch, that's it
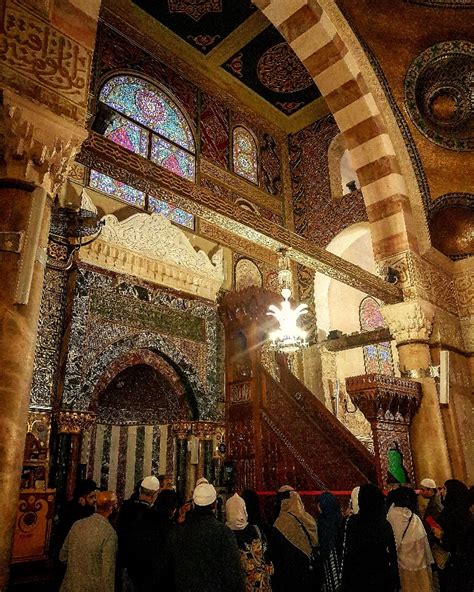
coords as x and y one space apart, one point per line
315 40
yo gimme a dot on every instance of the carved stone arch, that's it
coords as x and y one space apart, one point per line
322 38
245 204
201 401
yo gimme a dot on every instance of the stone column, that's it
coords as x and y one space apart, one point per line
181 431
36 152
410 324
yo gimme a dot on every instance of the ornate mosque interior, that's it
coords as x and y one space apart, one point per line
164 167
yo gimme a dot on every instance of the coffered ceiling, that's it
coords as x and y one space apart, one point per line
236 46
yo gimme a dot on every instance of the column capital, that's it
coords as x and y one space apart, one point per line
75 422
410 321
37 147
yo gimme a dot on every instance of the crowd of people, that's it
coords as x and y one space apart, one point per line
395 542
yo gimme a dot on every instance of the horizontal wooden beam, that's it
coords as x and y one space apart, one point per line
113 160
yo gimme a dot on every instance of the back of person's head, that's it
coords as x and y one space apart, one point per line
84 488
404 497
106 502
252 504
371 500
167 502
328 504
457 495
204 496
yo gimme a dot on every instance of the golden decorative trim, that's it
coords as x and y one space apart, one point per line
240 186
75 422
118 162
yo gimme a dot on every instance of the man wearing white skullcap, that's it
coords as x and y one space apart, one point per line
203 551
132 512
429 493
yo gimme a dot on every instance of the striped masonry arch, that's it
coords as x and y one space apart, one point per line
315 40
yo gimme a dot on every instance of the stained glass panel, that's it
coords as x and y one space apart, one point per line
145 103
129 135
172 158
116 188
377 357
244 151
174 214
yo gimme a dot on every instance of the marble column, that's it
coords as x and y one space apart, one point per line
36 152
181 431
410 324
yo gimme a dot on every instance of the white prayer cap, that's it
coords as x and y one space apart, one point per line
204 495
151 483
284 488
428 483
201 480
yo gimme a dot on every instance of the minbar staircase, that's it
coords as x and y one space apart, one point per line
279 432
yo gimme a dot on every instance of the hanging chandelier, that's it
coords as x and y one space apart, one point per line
289 337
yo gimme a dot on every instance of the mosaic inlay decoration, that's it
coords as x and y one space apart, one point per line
439 94
244 152
112 316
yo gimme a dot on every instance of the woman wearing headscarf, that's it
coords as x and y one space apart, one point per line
329 523
456 523
253 552
369 555
413 549
293 540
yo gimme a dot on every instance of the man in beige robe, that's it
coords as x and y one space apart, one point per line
90 550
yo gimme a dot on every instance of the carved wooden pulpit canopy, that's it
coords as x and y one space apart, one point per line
389 404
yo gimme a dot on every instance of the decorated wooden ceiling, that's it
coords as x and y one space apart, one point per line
237 46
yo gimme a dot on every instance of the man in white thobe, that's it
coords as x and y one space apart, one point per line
90 550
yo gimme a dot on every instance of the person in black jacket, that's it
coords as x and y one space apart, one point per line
146 543
203 552
369 552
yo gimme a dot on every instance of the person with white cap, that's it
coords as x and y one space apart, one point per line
203 552
130 513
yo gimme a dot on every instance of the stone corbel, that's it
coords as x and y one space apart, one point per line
410 321
75 422
37 147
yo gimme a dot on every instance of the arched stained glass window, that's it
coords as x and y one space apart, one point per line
149 123
245 154
377 357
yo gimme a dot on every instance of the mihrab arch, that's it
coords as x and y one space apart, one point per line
311 29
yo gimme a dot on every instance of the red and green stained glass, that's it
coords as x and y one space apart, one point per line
377 357
129 135
171 157
145 103
244 152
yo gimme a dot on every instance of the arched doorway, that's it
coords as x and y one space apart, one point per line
136 400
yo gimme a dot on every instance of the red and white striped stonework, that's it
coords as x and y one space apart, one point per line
315 40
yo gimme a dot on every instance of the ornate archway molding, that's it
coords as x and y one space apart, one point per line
325 43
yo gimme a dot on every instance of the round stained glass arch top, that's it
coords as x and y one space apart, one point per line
245 154
145 103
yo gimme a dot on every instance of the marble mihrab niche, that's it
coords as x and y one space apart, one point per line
113 315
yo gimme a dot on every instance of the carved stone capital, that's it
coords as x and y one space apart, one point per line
384 398
182 429
204 430
36 146
410 321
75 422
